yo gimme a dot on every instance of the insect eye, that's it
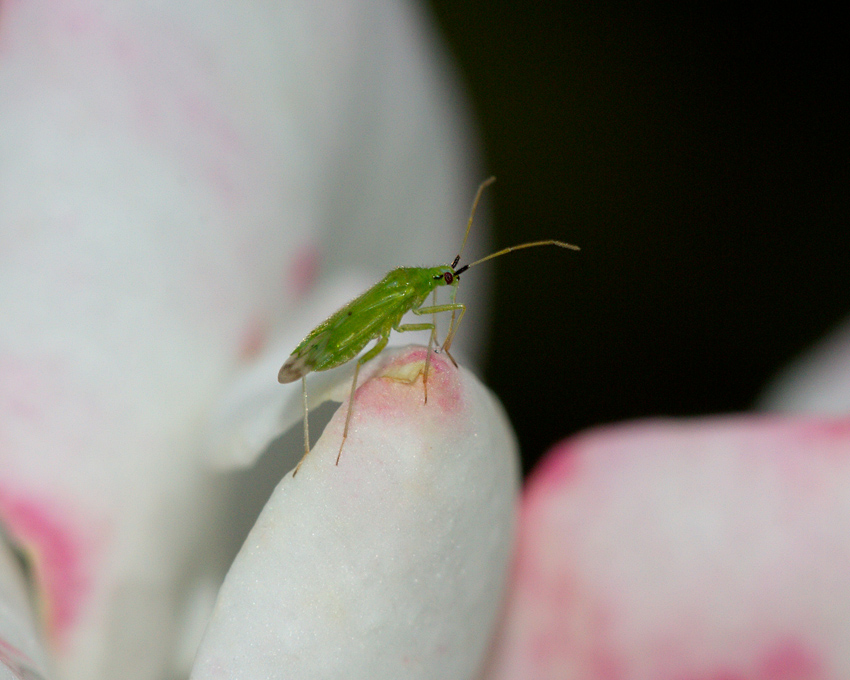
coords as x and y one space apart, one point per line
448 277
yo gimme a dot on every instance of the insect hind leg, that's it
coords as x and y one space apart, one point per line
371 354
306 426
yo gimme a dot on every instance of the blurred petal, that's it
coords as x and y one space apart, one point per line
174 180
391 564
818 382
716 548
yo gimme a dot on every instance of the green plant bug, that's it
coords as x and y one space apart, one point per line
377 312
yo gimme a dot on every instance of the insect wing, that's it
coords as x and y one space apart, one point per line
303 358
299 364
354 326
343 334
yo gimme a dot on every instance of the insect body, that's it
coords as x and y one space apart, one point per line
376 313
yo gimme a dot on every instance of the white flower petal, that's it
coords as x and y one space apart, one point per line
818 382
391 564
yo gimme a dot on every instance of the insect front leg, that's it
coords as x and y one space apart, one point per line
433 340
371 354
402 328
452 299
452 307
453 324
447 343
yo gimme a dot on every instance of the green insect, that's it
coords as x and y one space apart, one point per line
379 310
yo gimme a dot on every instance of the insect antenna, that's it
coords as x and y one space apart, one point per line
486 183
510 249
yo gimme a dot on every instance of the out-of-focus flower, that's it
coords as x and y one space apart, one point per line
818 382
709 548
181 187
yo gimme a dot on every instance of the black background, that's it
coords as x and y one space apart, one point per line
700 158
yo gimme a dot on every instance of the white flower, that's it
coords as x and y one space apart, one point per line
178 184
391 564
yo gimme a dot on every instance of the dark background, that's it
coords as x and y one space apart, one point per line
700 158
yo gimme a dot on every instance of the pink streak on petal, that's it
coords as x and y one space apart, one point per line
303 271
254 339
59 556
553 472
790 660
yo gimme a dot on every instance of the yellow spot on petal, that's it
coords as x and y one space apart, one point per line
406 372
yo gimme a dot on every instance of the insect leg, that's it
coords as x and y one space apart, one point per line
422 327
454 323
434 320
306 426
371 354
450 307
450 332
431 342
447 343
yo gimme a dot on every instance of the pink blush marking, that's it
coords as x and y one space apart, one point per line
788 660
831 429
254 339
304 270
791 660
392 397
554 473
57 557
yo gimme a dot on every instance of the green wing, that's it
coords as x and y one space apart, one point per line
342 336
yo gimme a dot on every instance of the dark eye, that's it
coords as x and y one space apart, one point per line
448 277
